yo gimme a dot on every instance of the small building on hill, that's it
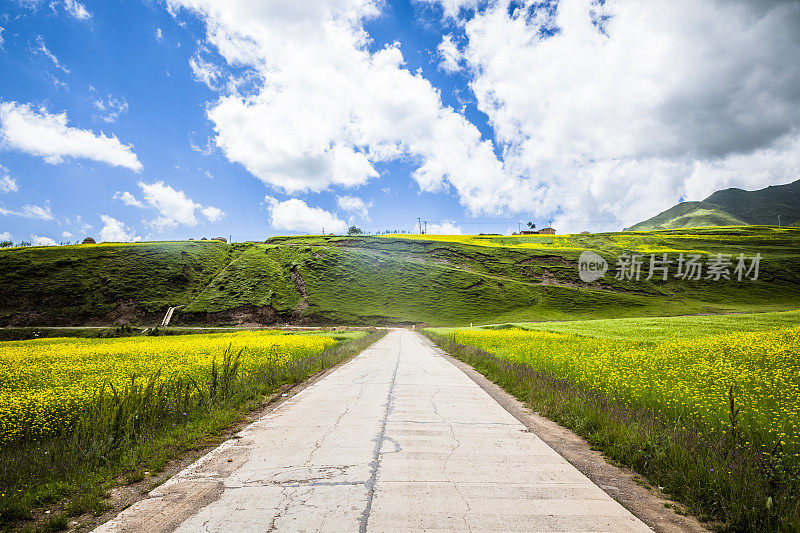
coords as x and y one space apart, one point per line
543 231
89 240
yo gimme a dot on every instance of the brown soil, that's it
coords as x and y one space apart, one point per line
300 285
247 315
127 312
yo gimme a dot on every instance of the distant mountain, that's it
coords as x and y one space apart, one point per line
732 207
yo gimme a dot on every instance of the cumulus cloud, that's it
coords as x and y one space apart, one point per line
7 183
449 54
5 236
67 235
317 108
42 134
115 231
213 214
453 8
609 112
128 199
206 72
174 207
159 34
355 205
446 227
296 216
2 29
43 241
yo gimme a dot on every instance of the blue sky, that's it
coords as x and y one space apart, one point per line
193 118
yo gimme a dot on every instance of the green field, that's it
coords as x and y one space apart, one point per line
383 280
706 406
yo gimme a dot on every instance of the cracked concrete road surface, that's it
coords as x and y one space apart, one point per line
398 439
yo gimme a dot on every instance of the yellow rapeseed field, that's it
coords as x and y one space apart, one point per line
44 382
688 380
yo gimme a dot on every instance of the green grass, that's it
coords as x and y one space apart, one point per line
661 329
133 433
383 280
705 407
690 215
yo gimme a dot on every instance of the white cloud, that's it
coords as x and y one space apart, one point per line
5 236
128 199
37 212
630 105
159 34
205 72
450 55
73 8
355 205
41 48
452 8
43 241
39 133
174 207
31 211
447 227
171 204
7 183
111 108
317 108
67 235
213 214
2 29
296 216
115 231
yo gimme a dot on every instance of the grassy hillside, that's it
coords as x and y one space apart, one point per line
732 207
690 215
383 280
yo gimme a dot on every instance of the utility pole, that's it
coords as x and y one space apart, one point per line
323 231
519 227
426 228
779 222
419 221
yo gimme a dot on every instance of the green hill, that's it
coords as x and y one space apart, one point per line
382 280
690 215
731 207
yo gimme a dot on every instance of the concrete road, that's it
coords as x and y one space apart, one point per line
398 439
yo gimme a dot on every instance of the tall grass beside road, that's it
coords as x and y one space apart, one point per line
126 428
711 418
